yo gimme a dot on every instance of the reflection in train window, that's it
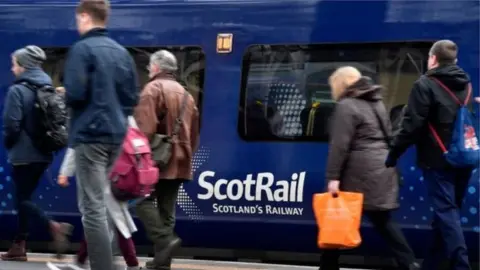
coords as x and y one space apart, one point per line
191 61
285 94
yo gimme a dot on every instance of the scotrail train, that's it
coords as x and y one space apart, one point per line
259 70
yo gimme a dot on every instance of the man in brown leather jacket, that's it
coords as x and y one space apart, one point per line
159 107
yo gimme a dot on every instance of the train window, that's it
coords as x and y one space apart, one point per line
191 67
285 94
191 61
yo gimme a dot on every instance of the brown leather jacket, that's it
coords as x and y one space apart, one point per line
163 95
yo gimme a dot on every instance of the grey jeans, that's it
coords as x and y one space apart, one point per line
93 162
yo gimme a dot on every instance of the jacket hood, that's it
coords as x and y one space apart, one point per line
365 89
455 78
35 76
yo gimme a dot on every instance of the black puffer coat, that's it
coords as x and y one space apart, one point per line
358 148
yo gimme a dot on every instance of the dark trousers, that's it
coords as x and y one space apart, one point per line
127 247
446 190
26 178
383 222
159 218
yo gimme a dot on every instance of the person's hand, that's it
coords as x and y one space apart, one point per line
62 180
391 161
333 186
477 99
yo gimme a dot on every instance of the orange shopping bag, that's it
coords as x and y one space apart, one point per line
338 219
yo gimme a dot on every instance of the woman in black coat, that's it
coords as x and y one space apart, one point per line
357 152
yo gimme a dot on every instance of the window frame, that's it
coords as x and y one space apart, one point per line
59 54
370 47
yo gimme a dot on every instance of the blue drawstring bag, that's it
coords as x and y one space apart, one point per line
463 150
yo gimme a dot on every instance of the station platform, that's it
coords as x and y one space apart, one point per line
48 262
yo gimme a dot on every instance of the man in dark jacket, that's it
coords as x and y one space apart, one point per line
101 90
429 103
28 163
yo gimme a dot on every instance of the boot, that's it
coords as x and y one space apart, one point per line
164 250
166 266
82 254
60 233
16 252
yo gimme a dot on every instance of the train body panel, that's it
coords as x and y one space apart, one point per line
249 193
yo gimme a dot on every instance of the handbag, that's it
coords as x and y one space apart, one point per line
162 144
338 219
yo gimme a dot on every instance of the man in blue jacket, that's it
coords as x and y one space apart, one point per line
28 163
430 103
101 90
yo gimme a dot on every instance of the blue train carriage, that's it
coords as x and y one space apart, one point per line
258 70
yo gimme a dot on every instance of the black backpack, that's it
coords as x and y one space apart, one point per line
49 132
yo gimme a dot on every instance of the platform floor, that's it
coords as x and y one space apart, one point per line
47 262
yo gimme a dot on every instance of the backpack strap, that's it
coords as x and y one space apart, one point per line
469 93
455 98
386 135
179 120
437 138
29 86
33 88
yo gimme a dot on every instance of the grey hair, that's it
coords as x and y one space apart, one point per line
165 60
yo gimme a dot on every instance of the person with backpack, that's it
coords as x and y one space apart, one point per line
100 78
24 131
438 122
123 221
168 116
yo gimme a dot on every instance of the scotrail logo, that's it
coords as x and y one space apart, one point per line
258 194
263 187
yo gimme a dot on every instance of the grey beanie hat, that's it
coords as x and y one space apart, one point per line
29 57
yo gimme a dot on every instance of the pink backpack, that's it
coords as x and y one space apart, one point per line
134 173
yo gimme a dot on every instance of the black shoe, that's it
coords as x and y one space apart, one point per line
163 251
60 238
415 266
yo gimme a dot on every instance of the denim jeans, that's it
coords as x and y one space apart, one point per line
127 248
93 162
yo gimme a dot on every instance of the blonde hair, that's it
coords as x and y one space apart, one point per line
60 90
341 79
